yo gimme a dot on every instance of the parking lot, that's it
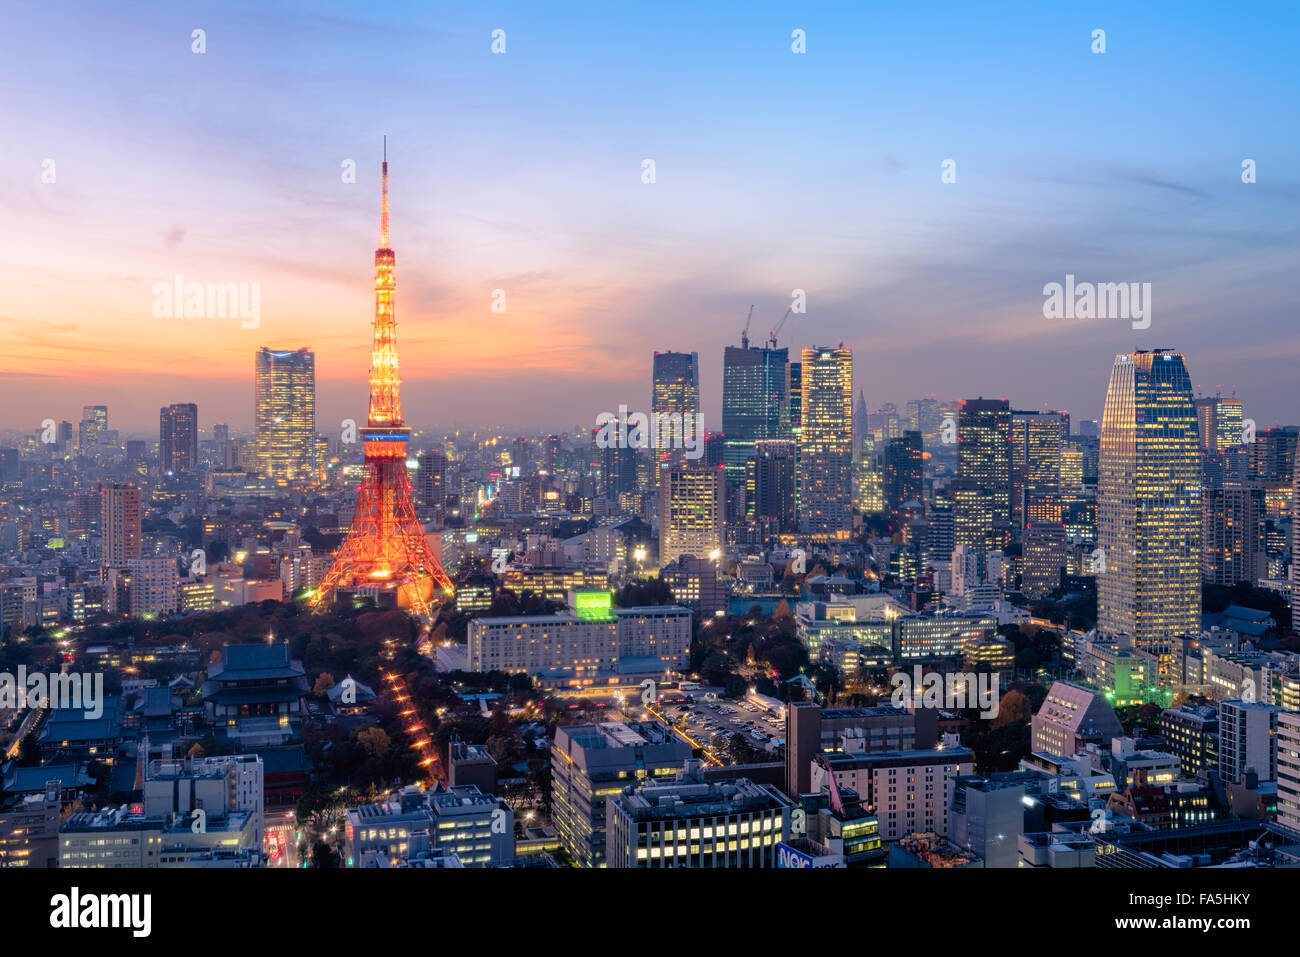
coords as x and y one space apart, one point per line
713 723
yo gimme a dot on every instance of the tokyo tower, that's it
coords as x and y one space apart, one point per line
385 551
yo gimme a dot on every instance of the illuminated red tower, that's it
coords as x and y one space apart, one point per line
385 549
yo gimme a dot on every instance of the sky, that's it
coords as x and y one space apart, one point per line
522 171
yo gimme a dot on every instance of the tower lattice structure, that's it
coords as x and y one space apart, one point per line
385 548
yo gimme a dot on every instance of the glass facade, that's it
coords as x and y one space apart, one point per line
1149 502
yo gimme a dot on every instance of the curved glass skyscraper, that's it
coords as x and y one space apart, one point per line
1149 502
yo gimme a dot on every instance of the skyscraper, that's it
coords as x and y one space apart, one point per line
94 423
433 481
285 414
984 464
675 394
772 495
1149 501
1036 439
692 513
904 472
826 442
119 523
386 553
1220 422
754 402
1232 534
178 438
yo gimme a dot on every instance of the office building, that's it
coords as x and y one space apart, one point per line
1219 422
1149 502
826 443
178 438
986 816
93 430
1248 740
29 827
904 473
692 513
1071 717
811 730
908 791
1232 534
773 487
285 414
1046 553
982 499
674 399
591 764
689 822
432 481
217 785
1036 440
754 403
416 828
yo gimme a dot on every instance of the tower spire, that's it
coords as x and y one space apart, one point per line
383 203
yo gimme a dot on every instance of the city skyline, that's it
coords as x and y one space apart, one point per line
513 190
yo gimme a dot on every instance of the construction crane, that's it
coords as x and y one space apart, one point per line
744 336
772 336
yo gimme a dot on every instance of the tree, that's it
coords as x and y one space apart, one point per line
374 740
1012 707
322 855
323 683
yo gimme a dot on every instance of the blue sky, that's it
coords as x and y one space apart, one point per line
522 172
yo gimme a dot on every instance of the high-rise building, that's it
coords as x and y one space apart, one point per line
1220 422
153 586
675 394
119 519
773 469
94 425
1036 439
614 466
984 464
1149 502
1232 534
692 513
1045 555
754 403
223 448
904 472
178 438
433 479
826 442
868 475
1272 454
285 414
